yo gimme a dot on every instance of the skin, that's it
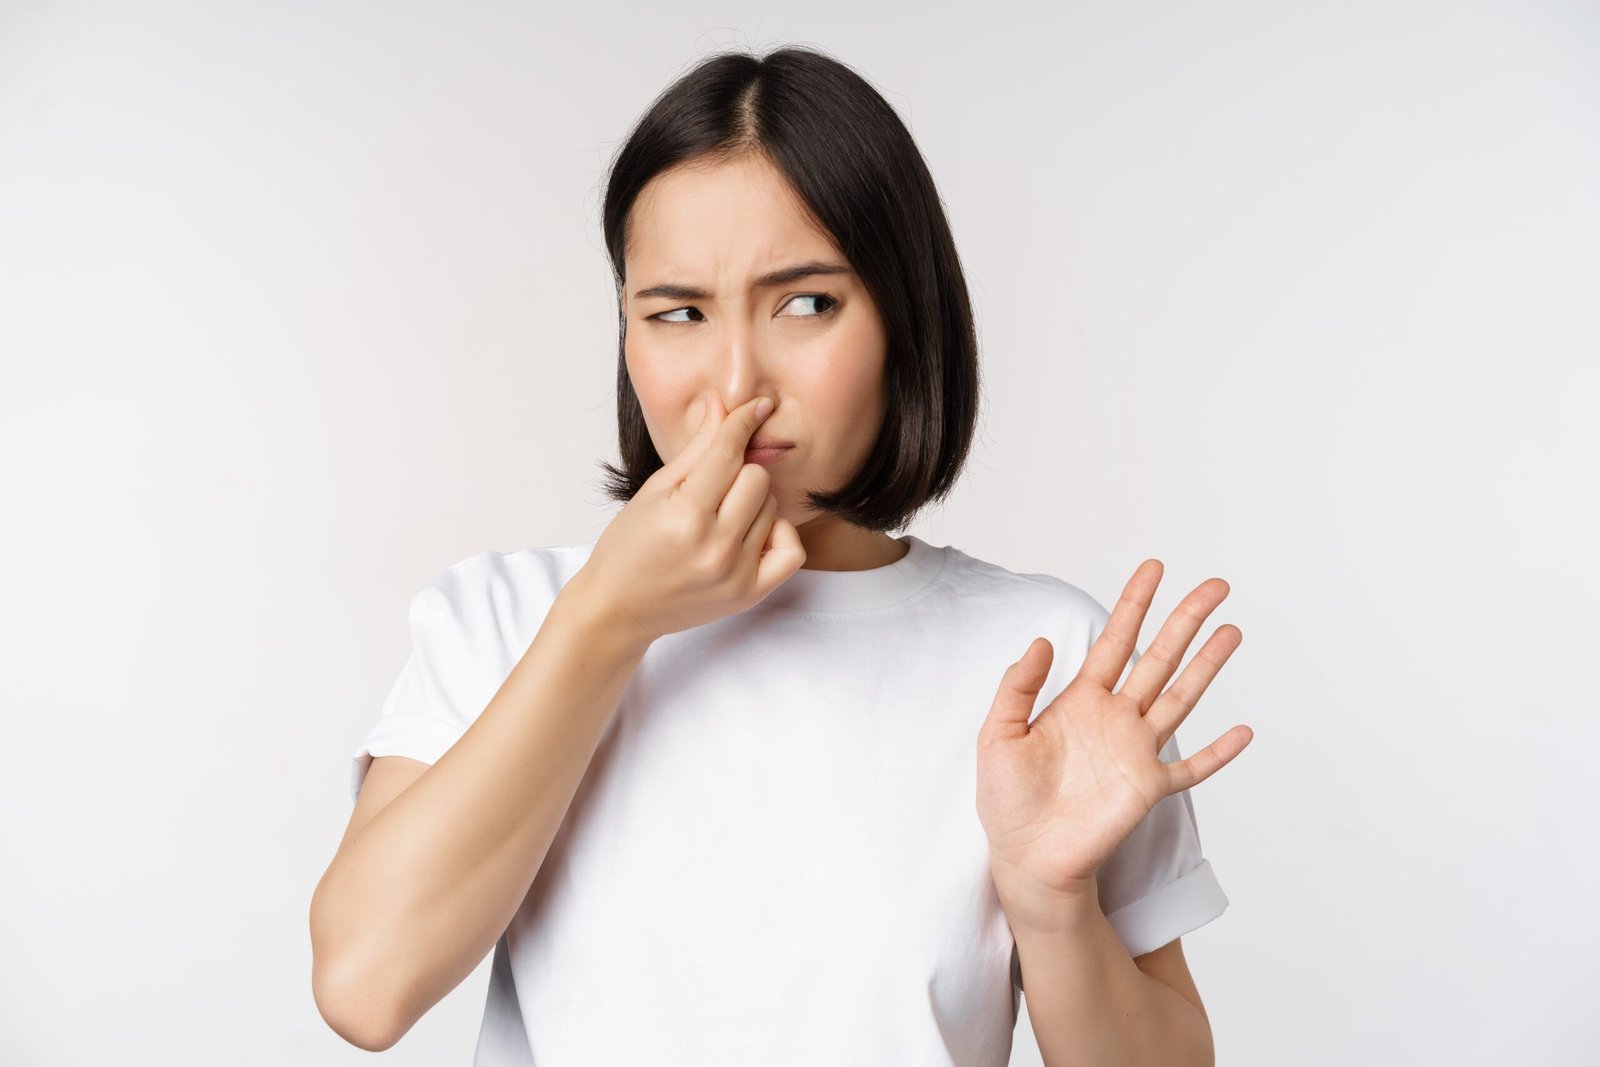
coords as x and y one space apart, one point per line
816 345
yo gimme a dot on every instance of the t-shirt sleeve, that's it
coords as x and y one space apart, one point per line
1157 885
438 694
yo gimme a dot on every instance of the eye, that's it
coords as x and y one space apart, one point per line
832 304
660 316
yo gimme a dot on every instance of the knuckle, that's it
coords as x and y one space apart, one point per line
682 526
714 560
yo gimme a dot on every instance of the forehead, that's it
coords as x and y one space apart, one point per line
741 216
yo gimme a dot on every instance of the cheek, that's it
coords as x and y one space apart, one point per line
644 375
843 419
659 373
849 389
633 358
648 392
664 395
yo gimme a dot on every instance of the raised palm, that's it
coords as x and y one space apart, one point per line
1058 795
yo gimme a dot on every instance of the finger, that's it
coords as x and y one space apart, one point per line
1019 690
711 415
1108 656
787 555
1188 773
1155 668
738 507
1172 707
755 538
714 470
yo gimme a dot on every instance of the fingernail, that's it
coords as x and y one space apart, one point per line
763 407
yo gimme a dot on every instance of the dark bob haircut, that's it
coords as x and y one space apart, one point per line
854 164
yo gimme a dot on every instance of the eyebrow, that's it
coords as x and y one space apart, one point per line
777 277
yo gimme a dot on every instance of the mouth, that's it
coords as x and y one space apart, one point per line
765 454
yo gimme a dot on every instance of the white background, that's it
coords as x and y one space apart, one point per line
300 303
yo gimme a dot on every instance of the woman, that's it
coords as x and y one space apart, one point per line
747 780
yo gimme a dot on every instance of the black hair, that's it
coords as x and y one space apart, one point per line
854 164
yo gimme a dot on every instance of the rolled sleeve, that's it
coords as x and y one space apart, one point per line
419 737
436 697
1170 912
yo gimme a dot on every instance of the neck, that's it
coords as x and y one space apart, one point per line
835 545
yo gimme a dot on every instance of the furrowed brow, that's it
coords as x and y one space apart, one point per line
777 277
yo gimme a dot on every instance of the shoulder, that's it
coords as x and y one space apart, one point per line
520 572
1065 603
501 592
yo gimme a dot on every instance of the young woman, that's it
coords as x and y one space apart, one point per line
748 780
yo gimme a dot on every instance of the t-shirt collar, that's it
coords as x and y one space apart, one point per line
863 590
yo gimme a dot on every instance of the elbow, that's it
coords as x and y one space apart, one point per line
354 1006
355 1010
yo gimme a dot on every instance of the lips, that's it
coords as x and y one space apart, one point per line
759 443
765 456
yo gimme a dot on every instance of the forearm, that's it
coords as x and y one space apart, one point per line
418 896
1090 1004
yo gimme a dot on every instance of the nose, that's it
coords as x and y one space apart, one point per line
736 364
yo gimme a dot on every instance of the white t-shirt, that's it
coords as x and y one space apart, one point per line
775 855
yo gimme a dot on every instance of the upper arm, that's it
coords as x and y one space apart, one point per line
387 778
1167 966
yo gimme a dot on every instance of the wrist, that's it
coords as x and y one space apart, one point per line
1030 904
604 624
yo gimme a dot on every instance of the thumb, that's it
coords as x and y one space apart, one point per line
707 413
1019 689
712 412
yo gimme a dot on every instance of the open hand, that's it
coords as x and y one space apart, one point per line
1058 795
